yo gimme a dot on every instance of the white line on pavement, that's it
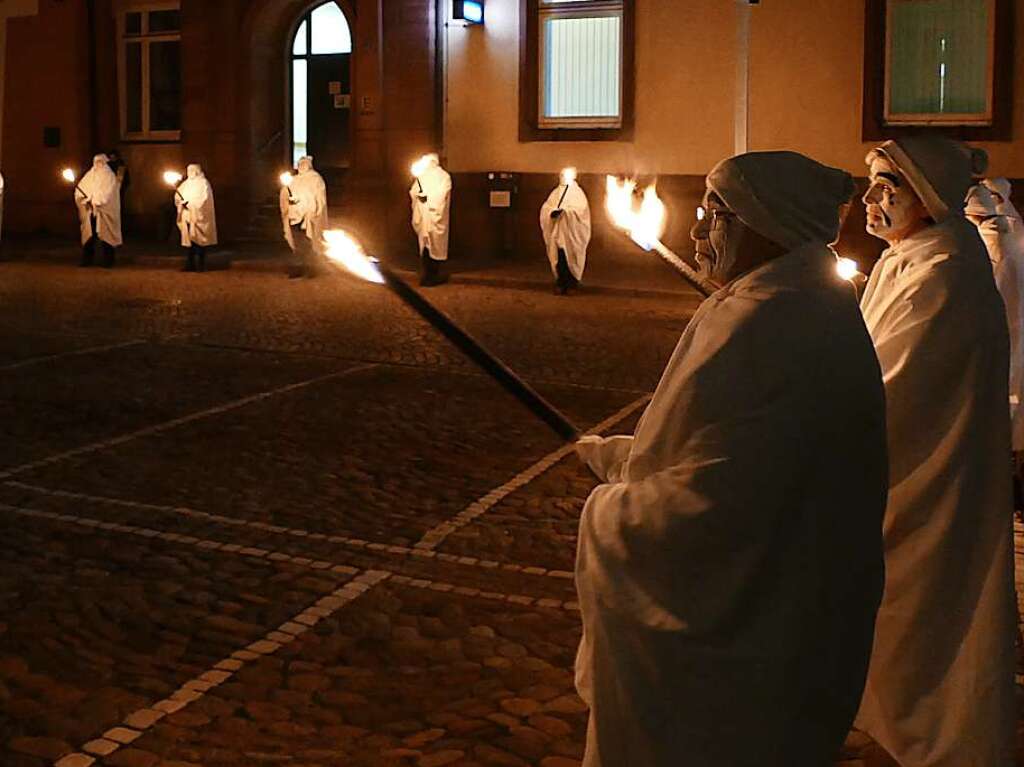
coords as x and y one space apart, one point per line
437 535
298 533
74 353
150 430
269 555
138 722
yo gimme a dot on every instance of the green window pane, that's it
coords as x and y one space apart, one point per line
939 54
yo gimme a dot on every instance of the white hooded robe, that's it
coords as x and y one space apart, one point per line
940 689
430 218
197 215
730 567
570 231
309 193
99 194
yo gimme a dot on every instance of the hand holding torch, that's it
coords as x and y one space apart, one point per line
418 169
568 176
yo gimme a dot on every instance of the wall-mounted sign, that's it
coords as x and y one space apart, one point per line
500 199
342 101
470 11
334 87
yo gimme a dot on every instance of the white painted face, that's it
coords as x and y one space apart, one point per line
893 208
717 238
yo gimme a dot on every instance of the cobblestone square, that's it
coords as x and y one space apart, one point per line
246 520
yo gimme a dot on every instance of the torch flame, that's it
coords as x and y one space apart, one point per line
172 177
644 225
568 175
847 268
286 178
344 250
421 165
68 175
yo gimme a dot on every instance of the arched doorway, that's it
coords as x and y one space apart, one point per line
320 76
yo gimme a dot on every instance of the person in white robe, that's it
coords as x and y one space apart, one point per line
197 217
431 201
304 215
565 224
730 565
940 688
990 208
98 200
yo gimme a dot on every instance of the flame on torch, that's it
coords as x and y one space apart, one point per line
343 250
172 177
847 268
420 166
68 175
645 223
286 178
568 175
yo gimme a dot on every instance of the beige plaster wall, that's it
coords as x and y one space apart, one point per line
684 102
805 90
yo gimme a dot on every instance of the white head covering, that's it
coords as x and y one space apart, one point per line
100 159
939 170
784 196
194 170
305 164
1001 187
980 202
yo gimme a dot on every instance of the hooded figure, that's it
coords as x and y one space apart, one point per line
730 567
304 212
989 208
431 197
197 217
565 224
98 199
940 689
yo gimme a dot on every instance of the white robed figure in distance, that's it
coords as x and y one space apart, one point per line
304 215
730 565
565 224
940 691
430 195
197 217
98 200
990 208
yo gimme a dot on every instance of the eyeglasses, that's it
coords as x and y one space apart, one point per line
718 216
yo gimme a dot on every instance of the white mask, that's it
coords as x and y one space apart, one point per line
717 240
893 209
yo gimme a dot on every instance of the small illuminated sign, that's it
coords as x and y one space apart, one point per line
470 11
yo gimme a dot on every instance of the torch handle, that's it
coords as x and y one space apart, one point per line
483 358
562 198
178 194
691 275
419 184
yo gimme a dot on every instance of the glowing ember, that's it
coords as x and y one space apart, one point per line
68 175
644 224
701 213
286 178
847 268
345 251
568 175
420 165
172 177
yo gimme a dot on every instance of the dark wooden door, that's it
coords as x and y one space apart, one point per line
330 110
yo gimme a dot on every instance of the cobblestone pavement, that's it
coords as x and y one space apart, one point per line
246 520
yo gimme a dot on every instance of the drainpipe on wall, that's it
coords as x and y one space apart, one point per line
741 119
94 127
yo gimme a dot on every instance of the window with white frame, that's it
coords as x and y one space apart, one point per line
150 71
939 62
580 65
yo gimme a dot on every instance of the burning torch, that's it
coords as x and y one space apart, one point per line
343 252
286 180
645 225
172 178
70 177
568 176
418 169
